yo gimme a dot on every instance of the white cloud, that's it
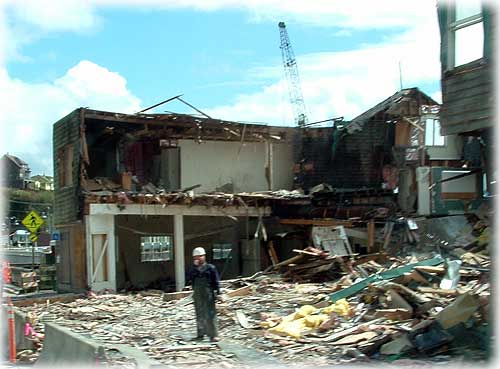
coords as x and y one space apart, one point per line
345 83
29 110
359 14
67 15
334 84
355 14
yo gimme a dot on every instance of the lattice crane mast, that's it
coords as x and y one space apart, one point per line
292 76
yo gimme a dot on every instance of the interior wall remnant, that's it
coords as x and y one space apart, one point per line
250 257
214 164
424 194
407 191
213 233
170 169
209 232
131 272
451 150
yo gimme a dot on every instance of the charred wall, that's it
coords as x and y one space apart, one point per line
350 160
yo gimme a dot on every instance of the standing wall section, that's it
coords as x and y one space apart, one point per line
70 252
66 199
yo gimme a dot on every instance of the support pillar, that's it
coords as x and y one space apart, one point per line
179 252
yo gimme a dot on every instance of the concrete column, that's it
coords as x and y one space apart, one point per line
179 252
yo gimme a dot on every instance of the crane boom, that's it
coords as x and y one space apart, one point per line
292 76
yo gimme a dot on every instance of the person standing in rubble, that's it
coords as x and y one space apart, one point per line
205 281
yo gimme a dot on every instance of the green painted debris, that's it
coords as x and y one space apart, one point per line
388 274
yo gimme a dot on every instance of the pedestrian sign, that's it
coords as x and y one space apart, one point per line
33 237
33 221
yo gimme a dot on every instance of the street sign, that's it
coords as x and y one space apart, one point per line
33 221
33 237
56 236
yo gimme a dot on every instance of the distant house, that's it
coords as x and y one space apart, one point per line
15 172
42 183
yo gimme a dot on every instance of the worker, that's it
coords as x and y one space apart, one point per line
205 281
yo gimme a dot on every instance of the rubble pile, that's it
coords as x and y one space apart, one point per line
312 265
382 308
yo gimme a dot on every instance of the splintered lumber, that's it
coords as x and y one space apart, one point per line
272 253
388 234
430 269
292 260
371 235
176 295
406 291
415 276
312 264
393 314
365 336
243 291
346 332
438 291
68 297
305 252
318 222
242 319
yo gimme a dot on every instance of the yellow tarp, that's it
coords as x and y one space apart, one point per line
341 307
294 324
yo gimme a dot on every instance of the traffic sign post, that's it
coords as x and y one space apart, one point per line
33 222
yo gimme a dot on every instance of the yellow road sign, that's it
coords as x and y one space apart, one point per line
33 221
33 237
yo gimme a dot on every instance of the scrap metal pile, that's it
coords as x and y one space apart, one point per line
382 308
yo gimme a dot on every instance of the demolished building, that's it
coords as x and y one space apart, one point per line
124 218
135 193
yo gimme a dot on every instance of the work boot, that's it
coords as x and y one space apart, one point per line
197 338
214 339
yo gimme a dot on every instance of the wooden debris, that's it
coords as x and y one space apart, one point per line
176 295
243 291
242 319
393 314
438 291
365 336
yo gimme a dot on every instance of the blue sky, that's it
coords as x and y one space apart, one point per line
222 55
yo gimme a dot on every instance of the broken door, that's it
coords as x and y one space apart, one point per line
101 255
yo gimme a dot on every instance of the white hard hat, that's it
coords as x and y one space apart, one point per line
199 251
